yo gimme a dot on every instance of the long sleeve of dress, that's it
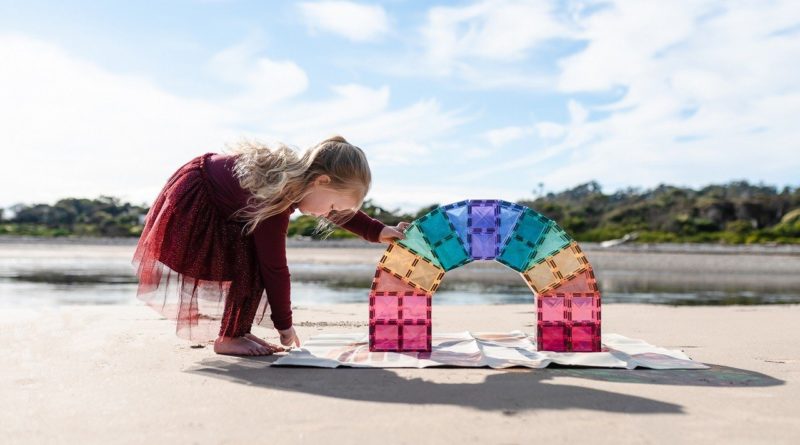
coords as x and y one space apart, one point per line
364 226
270 242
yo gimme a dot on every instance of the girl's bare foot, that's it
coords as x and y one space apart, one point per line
240 346
263 342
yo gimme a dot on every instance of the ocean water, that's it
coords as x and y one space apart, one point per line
32 275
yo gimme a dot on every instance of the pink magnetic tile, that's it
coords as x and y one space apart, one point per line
387 337
552 338
552 308
386 307
415 337
582 282
415 307
387 282
584 307
585 337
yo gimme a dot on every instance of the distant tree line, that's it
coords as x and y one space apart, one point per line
733 213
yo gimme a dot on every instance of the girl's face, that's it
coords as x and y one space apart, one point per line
322 200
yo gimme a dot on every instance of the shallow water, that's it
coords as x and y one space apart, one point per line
41 277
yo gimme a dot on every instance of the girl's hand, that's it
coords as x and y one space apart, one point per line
289 337
390 233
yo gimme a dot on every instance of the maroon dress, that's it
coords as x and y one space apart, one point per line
196 267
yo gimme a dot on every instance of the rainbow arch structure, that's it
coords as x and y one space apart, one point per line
551 263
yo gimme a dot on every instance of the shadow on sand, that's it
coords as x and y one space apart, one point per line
510 390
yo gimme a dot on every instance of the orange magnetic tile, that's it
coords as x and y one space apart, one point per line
426 275
540 277
398 260
569 260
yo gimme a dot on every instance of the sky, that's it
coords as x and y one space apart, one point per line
493 99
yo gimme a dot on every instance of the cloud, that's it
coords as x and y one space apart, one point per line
73 128
483 43
263 81
353 21
695 98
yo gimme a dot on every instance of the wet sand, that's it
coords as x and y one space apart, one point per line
117 374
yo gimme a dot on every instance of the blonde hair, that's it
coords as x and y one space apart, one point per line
278 177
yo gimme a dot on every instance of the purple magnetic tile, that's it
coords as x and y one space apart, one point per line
552 308
584 307
483 215
585 337
415 337
552 337
387 337
415 307
386 307
483 245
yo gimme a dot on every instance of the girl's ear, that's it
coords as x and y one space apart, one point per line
322 180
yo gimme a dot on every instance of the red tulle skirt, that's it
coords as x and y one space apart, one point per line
195 267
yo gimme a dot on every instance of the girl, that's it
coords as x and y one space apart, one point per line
212 254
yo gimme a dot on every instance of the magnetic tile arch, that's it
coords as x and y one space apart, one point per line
549 261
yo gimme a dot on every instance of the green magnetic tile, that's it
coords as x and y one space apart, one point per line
554 240
531 225
451 253
435 226
415 241
516 254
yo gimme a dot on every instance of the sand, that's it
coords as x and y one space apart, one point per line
117 374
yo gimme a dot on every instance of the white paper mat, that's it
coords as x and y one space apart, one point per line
478 349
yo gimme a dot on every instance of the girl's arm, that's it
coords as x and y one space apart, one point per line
270 243
364 226
373 230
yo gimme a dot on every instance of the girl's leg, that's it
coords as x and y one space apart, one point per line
241 305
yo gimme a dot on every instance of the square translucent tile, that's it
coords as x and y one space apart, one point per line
416 337
541 277
484 246
384 307
585 337
552 308
516 253
483 215
552 337
584 307
531 226
436 226
398 259
451 253
416 307
569 260
386 337
426 276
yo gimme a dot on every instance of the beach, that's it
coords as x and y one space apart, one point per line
82 367
117 374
